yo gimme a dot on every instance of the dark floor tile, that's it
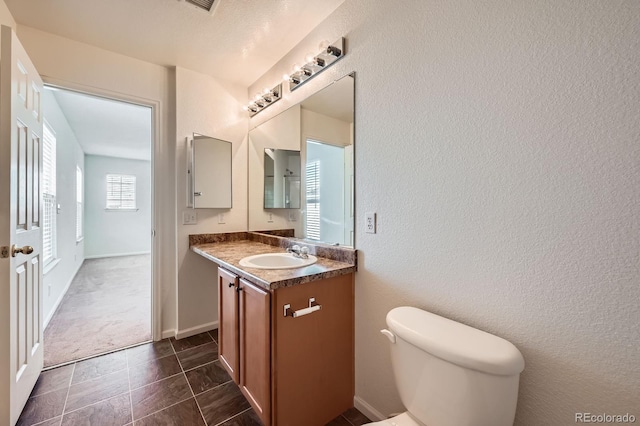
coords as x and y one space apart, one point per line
154 370
191 342
214 334
207 377
159 395
248 418
149 351
355 417
204 354
339 421
92 391
221 403
52 422
112 412
54 379
99 366
182 414
43 407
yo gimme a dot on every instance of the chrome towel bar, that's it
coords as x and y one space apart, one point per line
313 306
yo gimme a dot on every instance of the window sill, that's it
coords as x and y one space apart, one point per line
121 210
49 266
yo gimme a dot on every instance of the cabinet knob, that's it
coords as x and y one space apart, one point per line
232 284
239 288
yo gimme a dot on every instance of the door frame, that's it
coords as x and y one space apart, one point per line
156 137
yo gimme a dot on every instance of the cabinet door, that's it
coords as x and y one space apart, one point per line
228 337
255 348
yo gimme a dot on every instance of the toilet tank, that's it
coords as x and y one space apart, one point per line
450 374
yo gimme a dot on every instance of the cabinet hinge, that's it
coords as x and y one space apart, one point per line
4 252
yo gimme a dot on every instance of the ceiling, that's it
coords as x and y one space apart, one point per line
106 127
238 43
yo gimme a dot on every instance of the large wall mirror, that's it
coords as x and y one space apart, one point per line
301 168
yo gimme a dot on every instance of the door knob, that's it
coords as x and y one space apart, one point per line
24 250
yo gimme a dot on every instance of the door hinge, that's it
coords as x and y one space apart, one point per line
4 252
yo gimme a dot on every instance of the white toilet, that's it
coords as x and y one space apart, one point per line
450 374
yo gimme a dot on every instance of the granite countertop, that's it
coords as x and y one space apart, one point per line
227 254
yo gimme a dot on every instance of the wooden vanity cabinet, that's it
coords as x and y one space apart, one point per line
293 371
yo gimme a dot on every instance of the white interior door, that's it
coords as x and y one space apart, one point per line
21 351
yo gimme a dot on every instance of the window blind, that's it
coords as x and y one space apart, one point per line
48 195
313 200
121 192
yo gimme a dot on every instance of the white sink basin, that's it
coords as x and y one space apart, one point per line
276 261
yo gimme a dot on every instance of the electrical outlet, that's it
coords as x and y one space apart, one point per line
270 218
292 216
189 217
370 223
221 218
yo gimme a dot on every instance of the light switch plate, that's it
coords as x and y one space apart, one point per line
189 217
221 219
370 223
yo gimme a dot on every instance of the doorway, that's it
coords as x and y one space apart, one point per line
97 186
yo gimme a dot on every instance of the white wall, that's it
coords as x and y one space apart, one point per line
115 233
214 109
498 143
70 253
84 67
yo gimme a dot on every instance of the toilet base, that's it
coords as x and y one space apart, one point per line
403 419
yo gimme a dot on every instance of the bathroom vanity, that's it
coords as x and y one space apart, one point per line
286 336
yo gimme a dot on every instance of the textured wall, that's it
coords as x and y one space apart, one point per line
498 143
211 108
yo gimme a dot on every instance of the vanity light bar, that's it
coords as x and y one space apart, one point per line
329 54
264 100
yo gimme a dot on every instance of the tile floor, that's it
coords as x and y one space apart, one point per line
170 382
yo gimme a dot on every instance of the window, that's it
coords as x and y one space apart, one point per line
121 192
49 195
313 200
79 200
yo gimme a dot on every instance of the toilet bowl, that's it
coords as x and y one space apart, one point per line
450 374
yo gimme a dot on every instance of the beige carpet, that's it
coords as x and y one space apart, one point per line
107 307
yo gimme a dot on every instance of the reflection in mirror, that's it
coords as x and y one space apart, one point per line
281 179
209 172
320 129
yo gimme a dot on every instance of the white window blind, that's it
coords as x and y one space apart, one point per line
79 201
49 195
121 192
313 200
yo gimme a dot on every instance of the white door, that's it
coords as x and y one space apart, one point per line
20 227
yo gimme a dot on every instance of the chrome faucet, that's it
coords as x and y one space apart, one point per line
299 252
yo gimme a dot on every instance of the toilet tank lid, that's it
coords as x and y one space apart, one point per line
455 342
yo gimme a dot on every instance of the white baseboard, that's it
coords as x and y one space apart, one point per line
59 300
181 334
367 409
168 333
100 256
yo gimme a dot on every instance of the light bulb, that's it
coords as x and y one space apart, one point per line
266 91
285 77
245 108
295 69
309 57
323 45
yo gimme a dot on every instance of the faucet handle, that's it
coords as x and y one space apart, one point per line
304 250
